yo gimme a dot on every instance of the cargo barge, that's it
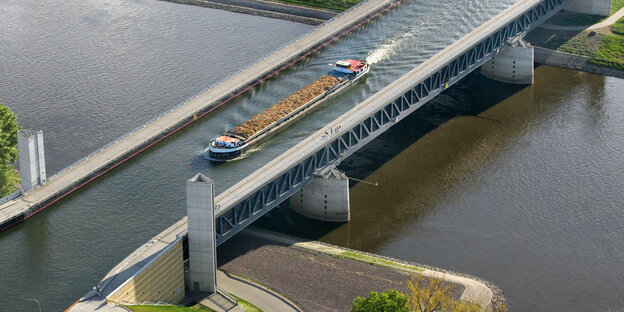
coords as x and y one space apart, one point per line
233 143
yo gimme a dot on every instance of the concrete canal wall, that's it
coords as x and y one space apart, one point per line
574 62
18 210
269 9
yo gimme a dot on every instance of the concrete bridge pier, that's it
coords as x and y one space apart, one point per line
514 64
31 158
326 198
202 275
592 7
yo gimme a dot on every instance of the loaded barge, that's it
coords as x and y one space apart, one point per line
233 143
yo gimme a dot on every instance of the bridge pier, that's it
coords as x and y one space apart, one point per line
31 158
202 276
326 198
592 7
514 64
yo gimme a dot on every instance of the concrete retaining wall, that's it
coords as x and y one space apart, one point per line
592 7
265 9
288 55
575 62
161 280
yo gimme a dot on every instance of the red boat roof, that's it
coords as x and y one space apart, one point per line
227 139
349 63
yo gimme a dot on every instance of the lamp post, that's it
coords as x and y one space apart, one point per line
37 301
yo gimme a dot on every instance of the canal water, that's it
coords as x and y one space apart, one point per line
517 185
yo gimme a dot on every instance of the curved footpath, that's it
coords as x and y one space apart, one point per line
258 295
268 299
577 62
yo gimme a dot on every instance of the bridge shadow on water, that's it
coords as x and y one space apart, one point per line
470 97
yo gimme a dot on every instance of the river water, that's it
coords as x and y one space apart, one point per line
517 185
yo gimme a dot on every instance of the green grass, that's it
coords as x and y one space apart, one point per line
332 5
164 308
15 177
578 45
618 27
380 262
610 53
616 5
246 305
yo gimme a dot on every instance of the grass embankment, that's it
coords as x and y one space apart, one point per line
604 47
331 5
379 262
616 5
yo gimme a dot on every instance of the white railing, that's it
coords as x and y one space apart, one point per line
192 98
313 146
11 197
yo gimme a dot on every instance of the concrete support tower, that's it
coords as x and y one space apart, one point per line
202 274
326 198
592 7
31 158
512 65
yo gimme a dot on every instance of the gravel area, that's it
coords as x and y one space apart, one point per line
315 281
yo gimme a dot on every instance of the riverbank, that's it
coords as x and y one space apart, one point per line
575 62
594 48
142 138
293 13
293 267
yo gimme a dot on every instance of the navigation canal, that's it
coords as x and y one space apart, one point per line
524 195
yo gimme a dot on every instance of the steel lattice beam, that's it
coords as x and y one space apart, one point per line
230 220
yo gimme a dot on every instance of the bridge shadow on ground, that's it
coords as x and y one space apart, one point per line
472 96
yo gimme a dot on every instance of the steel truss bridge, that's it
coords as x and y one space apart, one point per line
266 188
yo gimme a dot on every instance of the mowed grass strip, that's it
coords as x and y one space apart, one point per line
618 27
378 261
610 53
616 5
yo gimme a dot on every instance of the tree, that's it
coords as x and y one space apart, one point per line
8 148
433 295
387 301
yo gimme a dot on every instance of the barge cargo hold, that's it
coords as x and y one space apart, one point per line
233 143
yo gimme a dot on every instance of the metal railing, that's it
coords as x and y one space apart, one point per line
194 97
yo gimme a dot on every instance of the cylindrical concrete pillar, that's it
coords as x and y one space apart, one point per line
325 199
592 7
512 65
202 246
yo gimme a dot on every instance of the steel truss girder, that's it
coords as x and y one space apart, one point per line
286 184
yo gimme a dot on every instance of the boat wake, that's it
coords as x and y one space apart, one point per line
391 47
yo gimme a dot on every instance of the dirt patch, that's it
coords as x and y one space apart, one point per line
315 281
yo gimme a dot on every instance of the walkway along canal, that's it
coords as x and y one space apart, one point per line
57 187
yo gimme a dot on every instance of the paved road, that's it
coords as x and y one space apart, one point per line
261 297
608 22
256 294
